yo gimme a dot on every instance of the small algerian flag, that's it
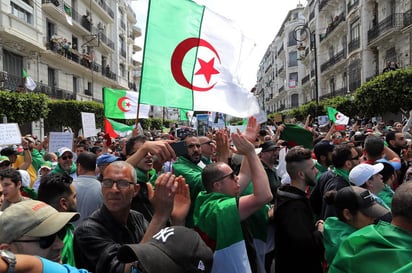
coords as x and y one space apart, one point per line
28 81
122 104
192 60
68 13
115 129
337 117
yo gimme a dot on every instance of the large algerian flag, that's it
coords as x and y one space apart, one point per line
122 104
68 13
191 60
297 135
337 117
116 129
28 81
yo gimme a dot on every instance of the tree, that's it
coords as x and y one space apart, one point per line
68 113
22 108
388 92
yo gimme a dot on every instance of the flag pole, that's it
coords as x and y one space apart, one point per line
138 110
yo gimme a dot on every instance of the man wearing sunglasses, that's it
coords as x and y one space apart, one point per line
65 162
220 209
34 228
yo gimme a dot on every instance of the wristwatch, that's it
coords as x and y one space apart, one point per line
9 258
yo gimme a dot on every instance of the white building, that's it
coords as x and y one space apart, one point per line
35 33
344 43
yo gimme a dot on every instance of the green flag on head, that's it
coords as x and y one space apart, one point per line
297 135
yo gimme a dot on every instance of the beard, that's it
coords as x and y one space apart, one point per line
309 181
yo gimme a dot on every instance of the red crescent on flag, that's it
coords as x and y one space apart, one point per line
120 104
177 60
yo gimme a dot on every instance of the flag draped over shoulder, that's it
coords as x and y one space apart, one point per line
297 135
337 117
28 81
122 104
115 129
191 60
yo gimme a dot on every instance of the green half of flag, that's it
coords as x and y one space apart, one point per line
297 135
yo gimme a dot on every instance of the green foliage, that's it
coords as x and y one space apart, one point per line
387 92
145 123
168 122
22 108
68 113
156 123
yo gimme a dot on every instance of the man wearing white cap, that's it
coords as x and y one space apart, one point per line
65 162
367 176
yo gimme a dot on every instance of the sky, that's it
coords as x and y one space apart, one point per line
260 21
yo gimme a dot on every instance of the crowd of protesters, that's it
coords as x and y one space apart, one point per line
228 202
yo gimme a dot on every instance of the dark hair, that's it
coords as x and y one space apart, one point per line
295 156
132 141
48 156
391 135
87 160
341 153
11 173
402 201
210 173
387 171
54 186
374 147
330 197
82 144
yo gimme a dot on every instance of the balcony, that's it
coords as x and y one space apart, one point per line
312 15
108 10
353 45
323 4
334 60
280 50
333 25
280 70
107 41
352 5
407 18
391 23
282 88
305 79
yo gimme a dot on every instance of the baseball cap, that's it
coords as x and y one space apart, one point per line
362 172
29 138
4 158
322 148
357 198
395 164
106 159
268 146
62 150
8 151
32 218
173 249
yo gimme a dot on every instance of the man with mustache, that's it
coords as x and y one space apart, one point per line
190 166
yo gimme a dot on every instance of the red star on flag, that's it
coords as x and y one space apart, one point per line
207 69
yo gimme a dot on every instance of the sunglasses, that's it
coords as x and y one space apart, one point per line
121 184
232 176
46 241
67 157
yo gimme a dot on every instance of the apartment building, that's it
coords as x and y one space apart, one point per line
330 47
71 49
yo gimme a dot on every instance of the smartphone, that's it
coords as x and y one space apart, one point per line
179 148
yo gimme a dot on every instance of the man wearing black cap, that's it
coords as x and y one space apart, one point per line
269 156
173 249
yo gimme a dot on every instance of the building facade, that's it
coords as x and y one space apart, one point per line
71 49
330 47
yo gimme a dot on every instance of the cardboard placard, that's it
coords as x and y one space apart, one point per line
58 140
9 134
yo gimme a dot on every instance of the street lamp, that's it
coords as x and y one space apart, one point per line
300 34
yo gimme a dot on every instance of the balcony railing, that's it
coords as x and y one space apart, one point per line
106 40
392 22
332 26
305 79
105 7
352 5
407 18
280 69
332 61
312 15
282 88
354 44
312 73
280 50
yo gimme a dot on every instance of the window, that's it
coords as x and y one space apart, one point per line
295 100
355 31
122 70
293 58
291 39
293 79
22 10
